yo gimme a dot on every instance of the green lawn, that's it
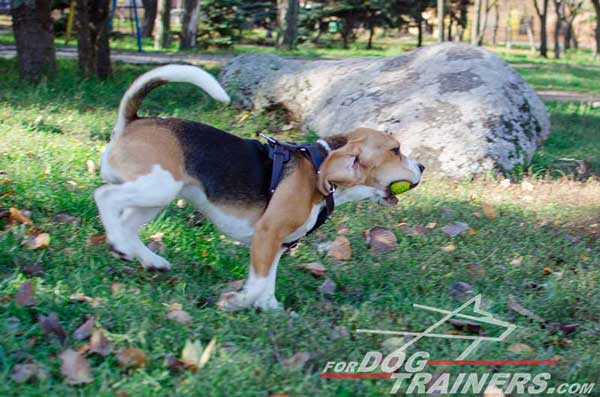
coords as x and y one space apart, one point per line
541 248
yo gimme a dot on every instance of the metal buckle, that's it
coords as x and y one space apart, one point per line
269 139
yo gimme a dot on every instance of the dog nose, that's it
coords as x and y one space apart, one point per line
421 167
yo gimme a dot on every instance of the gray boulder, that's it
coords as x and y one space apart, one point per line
460 110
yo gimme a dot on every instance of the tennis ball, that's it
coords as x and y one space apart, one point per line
400 187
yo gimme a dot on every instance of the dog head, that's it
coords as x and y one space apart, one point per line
366 165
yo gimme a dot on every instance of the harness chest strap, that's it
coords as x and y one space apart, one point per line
280 153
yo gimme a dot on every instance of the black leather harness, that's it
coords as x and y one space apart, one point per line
280 153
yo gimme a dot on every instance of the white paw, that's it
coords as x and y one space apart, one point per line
121 250
268 303
233 301
155 262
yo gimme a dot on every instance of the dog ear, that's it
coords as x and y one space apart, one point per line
342 166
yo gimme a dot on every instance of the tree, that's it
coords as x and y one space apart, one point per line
542 13
571 10
162 35
440 17
287 23
189 24
596 4
558 5
475 27
149 17
34 37
93 49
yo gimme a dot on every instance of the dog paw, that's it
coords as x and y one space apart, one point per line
120 252
268 304
232 301
156 262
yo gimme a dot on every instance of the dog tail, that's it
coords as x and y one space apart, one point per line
133 97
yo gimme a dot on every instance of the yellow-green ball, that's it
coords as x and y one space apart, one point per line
400 187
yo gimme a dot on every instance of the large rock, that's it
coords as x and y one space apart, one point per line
458 109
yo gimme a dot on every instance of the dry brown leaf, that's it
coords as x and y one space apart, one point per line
24 295
207 353
449 248
521 348
85 330
16 216
181 316
380 239
517 261
33 269
66 218
99 344
97 239
488 210
461 291
455 228
27 372
297 361
476 270
431 225
328 287
75 368
191 353
340 248
50 325
91 167
131 358
42 240
316 269
517 307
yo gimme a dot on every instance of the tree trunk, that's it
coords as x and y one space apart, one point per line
149 17
93 49
162 35
287 21
596 4
34 37
483 27
371 33
507 28
189 25
419 19
441 13
543 16
557 27
476 21
496 22
530 35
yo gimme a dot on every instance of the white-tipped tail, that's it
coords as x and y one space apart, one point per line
169 73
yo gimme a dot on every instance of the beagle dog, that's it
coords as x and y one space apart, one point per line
151 161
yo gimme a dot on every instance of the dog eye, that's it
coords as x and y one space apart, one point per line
396 151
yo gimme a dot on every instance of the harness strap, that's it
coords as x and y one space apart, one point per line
280 153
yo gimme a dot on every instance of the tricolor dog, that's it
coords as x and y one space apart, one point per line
151 161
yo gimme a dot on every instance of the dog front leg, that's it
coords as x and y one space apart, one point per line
259 289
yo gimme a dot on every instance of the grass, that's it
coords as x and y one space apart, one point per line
542 248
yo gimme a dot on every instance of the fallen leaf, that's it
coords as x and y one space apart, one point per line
131 358
431 225
380 239
181 316
517 261
455 228
393 343
91 167
158 236
50 325
99 344
85 330
24 295
158 247
488 210
16 216
340 248
181 203
207 353
97 239
66 218
328 287
33 269
173 363
476 270
316 269
191 353
517 307
26 372
449 248
461 291
75 368
42 240
297 361
547 271
520 348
